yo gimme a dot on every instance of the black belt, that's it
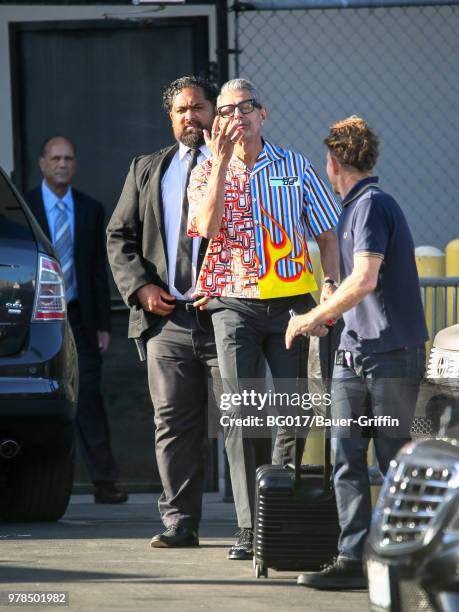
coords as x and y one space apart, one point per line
186 304
202 316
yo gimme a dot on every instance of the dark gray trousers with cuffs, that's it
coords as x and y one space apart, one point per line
93 428
181 358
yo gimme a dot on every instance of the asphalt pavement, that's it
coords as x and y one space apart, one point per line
100 557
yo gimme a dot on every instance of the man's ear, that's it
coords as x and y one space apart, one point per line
263 113
336 166
40 163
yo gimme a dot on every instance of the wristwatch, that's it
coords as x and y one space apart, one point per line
330 281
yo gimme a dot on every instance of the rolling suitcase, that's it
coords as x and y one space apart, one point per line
296 520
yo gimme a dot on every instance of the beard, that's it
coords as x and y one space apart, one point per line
193 138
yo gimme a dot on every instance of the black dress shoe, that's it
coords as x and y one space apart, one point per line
176 536
242 550
341 575
108 493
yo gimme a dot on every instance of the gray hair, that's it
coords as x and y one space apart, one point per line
237 85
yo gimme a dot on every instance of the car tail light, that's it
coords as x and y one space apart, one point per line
50 297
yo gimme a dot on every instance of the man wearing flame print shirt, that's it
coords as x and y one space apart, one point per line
255 201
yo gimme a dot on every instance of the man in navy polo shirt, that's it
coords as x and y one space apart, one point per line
381 357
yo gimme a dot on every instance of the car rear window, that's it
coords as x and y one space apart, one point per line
13 221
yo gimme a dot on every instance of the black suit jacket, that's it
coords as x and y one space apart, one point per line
90 258
136 240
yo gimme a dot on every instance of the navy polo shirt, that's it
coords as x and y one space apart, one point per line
391 317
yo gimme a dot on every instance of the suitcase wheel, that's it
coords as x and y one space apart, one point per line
261 571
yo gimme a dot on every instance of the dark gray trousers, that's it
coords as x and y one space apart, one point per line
92 423
246 333
181 357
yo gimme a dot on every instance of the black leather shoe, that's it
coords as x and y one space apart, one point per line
242 550
108 493
340 575
176 536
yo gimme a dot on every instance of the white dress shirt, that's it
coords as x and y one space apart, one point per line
172 187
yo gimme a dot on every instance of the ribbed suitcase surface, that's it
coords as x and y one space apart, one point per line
296 528
296 520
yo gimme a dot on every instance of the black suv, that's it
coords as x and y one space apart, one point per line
38 370
412 553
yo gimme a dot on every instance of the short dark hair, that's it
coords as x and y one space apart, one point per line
353 143
174 88
45 144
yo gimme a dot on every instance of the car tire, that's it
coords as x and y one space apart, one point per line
38 488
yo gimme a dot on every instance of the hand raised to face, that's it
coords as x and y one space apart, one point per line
224 136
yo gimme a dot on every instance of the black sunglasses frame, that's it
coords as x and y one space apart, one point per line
255 104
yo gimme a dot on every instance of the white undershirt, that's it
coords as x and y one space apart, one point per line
172 187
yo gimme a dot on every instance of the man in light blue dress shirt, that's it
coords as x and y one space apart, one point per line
74 222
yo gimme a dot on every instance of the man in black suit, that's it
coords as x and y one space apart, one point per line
154 264
74 223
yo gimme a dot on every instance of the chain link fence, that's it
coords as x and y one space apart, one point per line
397 67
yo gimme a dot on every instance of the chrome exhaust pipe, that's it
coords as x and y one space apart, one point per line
9 449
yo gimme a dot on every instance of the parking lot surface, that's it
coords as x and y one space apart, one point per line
101 558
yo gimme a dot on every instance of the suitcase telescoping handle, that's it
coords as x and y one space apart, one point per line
300 385
303 346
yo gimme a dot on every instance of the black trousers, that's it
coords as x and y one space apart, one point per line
247 332
92 424
182 360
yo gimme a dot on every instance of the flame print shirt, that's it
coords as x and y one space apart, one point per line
261 251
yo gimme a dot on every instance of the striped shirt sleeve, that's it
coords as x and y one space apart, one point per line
320 208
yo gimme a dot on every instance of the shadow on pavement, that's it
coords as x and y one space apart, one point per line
13 574
88 529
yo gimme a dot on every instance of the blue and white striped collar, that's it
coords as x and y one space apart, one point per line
273 152
270 153
267 155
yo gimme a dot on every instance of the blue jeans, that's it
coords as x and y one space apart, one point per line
369 386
